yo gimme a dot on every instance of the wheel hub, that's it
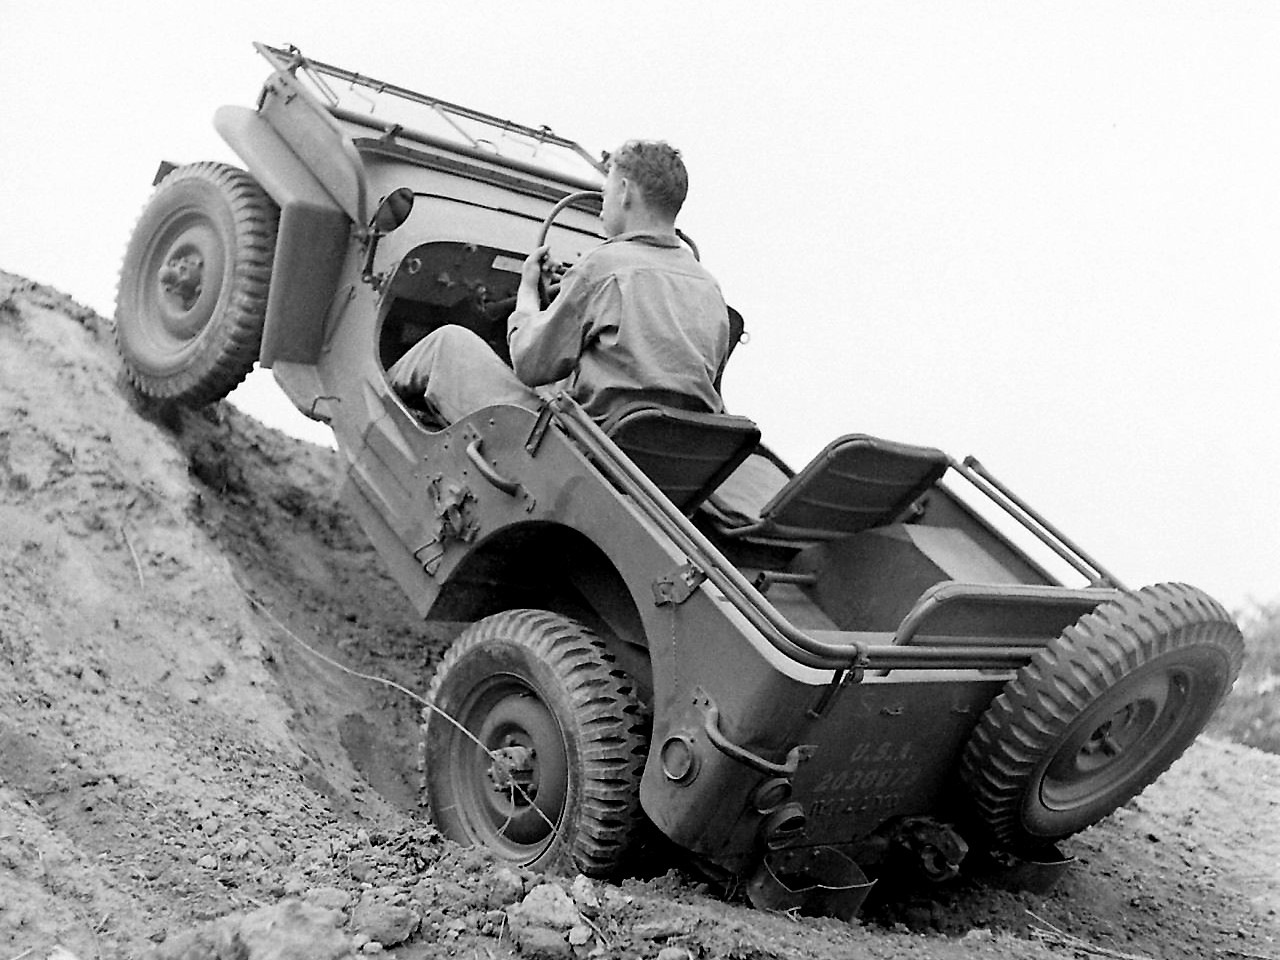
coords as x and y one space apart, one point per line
1130 722
182 278
512 771
187 271
1114 735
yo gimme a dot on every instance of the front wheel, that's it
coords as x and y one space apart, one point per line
1099 713
544 761
193 284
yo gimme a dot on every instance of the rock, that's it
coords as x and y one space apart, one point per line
540 922
152 868
584 896
294 931
269 849
505 887
454 928
328 898
674 953
387 923
580 935
546 905
542 943
452 892
207 862
290 930
360 868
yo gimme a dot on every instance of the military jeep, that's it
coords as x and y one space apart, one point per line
803 679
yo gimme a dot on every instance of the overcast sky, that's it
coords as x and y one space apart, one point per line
1044 234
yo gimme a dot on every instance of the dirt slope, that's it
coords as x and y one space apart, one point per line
170 755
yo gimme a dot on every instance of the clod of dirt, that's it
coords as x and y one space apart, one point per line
290 930
384 918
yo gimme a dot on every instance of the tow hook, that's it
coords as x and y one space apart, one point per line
936 848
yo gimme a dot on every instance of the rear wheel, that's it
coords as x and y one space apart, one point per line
1100 713
549 776
193 285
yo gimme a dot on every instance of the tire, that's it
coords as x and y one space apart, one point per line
530 680
193 285
1099 713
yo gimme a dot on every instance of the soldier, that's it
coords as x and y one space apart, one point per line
636 318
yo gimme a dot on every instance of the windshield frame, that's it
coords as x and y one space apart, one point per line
575 165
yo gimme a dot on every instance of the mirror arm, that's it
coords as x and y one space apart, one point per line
366 273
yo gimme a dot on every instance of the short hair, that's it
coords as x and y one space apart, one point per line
655 166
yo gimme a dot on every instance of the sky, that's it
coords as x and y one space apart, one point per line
1045 234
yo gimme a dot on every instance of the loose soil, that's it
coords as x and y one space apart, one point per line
181 778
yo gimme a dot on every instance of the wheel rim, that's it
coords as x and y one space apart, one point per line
1137 718
512 791
181 282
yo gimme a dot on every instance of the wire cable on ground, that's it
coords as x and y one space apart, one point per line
372 678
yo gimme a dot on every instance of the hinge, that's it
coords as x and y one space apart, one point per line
679 585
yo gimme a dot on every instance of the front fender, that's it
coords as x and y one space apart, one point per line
311 243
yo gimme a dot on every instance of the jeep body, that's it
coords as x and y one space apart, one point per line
816 667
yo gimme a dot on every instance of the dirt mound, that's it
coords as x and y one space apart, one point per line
180 778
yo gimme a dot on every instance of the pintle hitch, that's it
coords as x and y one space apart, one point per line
928 846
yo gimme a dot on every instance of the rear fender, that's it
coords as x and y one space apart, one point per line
311 242
510 569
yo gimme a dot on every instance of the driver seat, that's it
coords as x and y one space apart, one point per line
686 454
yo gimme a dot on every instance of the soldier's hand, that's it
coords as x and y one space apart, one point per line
533 264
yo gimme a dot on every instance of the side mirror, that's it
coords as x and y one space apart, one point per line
391 214
393 211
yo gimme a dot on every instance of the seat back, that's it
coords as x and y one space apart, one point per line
857 482
685 454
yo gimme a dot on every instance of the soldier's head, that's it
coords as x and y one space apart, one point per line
646 186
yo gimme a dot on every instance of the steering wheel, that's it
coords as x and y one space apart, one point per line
544 298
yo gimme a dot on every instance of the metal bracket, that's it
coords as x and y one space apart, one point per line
839 680
679 585
431 561
315 414
539 430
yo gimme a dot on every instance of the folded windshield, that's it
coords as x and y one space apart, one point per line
359 99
